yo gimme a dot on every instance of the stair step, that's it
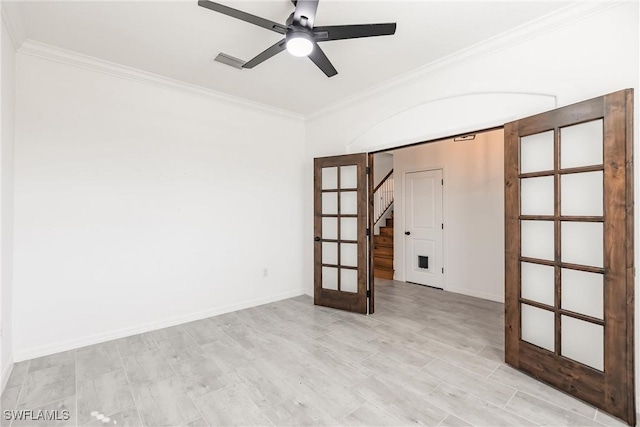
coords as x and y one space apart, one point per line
380 240
383 251
383 274
386 231
382 262
386 251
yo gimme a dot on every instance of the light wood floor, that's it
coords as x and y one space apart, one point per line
425 357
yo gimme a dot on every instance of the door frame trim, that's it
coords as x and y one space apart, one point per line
370 243
630 262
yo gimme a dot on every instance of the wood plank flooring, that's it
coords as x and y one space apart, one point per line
426 357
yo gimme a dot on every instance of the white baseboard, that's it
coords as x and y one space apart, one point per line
146 327
6 372
475 293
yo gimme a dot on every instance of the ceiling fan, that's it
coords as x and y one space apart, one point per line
301 36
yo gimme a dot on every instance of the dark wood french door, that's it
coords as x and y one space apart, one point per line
569 285
340 232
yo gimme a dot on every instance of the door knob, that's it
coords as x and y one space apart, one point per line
407 232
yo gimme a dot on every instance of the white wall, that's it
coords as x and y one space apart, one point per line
473 211
572 59
382 165
7 93
123 180
138 207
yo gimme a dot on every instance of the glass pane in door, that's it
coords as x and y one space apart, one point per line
349 280
536 152
330 228
349 228
582 194
538 282
581 145
537 196
329 203
348 202
348 177
329 253
330 178
349 254
583 292
537 239
583 342
582 243
330 278
538 327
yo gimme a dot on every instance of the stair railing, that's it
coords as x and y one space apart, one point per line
383 196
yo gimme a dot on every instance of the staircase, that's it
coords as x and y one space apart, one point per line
383 251
383 242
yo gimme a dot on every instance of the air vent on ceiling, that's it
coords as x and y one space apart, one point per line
230 60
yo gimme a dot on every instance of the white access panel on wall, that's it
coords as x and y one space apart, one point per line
423 234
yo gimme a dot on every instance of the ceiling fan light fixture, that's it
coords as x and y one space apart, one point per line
299 43
301 35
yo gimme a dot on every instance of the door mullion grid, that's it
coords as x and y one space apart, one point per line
557 243
338 220
575 315
612 389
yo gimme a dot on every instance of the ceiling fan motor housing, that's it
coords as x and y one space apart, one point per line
296 32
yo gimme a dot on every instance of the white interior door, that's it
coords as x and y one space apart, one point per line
423 228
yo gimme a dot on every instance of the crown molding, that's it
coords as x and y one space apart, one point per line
53 53
12 18
562 17
565 16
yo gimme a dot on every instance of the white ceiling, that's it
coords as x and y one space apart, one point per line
179 39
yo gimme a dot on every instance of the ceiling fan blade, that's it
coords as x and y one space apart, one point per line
305 9
320 59
342 32
243 16
272 51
